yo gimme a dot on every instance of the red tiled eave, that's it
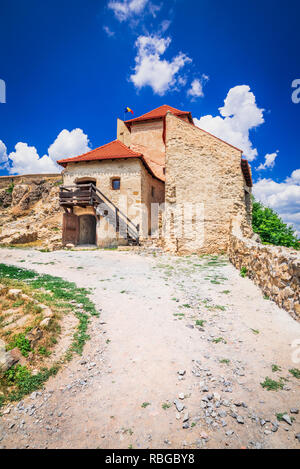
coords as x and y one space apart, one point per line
247 172
110 151
159 113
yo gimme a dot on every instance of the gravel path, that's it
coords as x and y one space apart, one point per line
147 351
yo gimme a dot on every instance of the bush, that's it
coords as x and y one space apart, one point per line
271 229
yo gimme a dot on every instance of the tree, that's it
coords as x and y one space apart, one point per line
271 229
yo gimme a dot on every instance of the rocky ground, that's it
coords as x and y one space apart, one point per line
30 213
175 360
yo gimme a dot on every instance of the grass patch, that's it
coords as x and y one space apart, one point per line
200 322
22 343
272 385
243 272
62 297
145 404
24 382
275 368
225 361
295 372
255 331
166 405
218 340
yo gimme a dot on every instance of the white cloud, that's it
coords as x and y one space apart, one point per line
239 115
69 144
108 31
294 178
26 160
269 161
151 70
283 197
196 89
123 10
3 155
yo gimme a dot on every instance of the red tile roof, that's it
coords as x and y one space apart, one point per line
247 172
160 112
110 151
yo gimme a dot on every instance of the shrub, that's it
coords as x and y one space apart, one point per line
271 229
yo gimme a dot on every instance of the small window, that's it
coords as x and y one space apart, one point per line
116 184
152 191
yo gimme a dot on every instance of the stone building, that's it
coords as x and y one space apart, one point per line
163 179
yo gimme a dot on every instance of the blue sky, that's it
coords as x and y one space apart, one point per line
70 68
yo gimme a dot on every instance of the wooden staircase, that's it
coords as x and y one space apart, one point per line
85 195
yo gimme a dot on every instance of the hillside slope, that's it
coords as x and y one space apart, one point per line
29 211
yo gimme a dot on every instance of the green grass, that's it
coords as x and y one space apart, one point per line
225 361
145 404
272 385
275 368
221 308
226 292
200 322
280 415
21 343
218 340
24 382
18 303
44 352
58 294
295 372
243 272
166 405
255 331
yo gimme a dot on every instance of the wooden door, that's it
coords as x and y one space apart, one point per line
70 228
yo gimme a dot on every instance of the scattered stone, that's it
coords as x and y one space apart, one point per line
240 419
14 292
186 425
298 437
45 322
287 419
275 427
181 372
181 395
229 432
186 417
179 406
294 411
34 335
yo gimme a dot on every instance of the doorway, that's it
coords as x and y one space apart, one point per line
87 229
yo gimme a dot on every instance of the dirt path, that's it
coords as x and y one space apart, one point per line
145 335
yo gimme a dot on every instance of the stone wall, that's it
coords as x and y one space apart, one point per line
276 270
145 138
5 181
204 172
